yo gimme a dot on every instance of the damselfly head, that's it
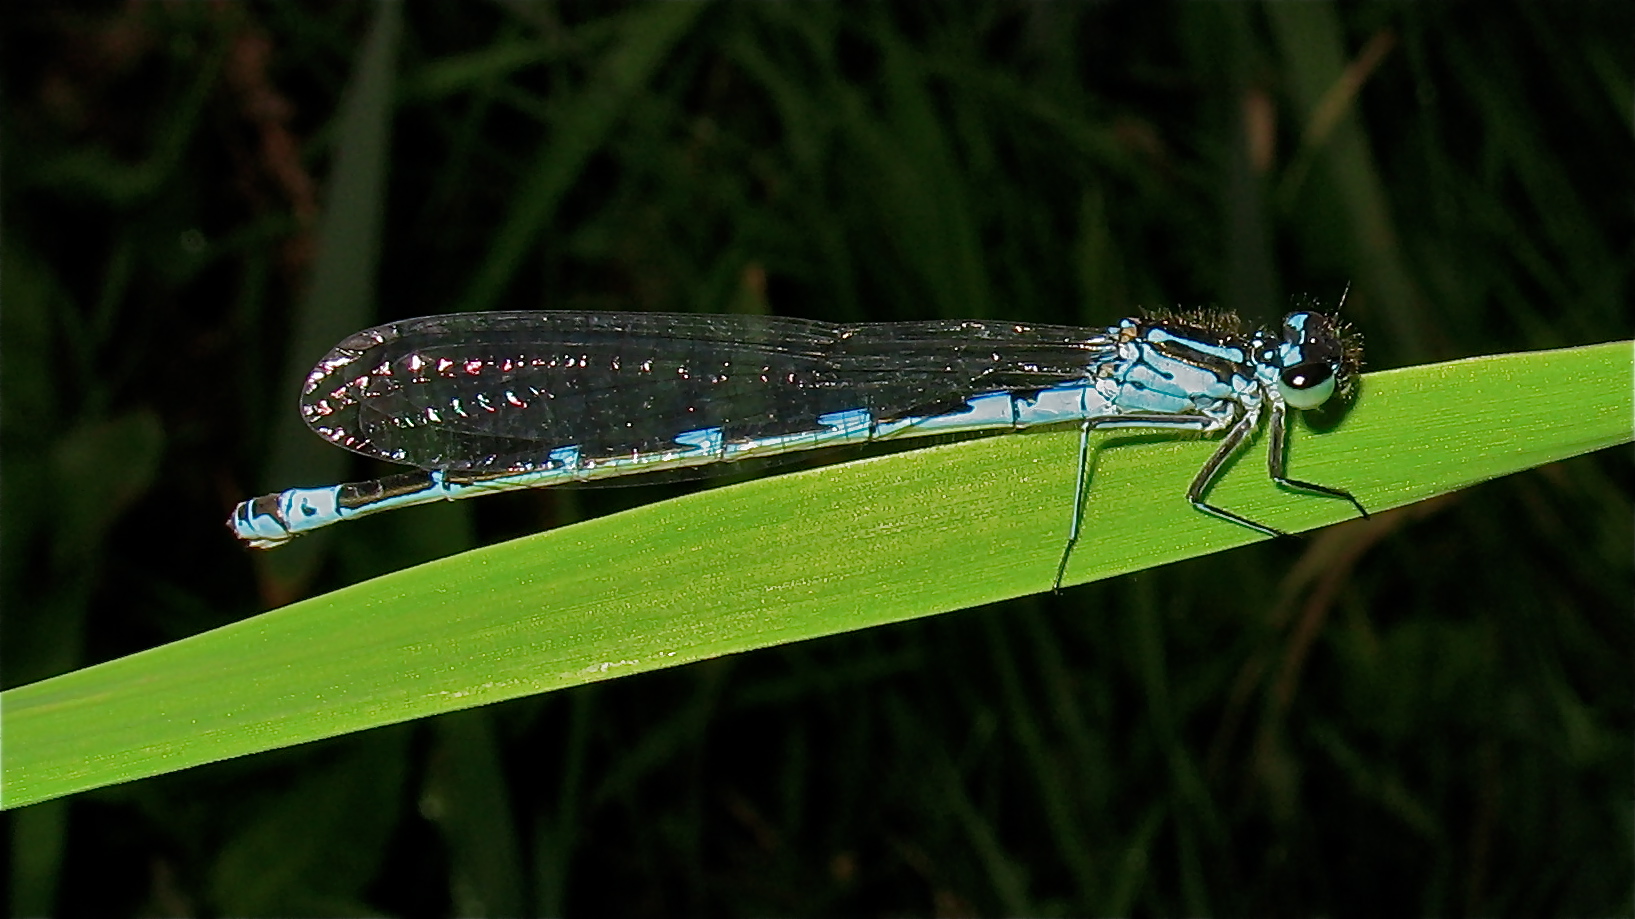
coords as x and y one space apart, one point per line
1319 358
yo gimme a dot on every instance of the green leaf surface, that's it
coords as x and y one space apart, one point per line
778 560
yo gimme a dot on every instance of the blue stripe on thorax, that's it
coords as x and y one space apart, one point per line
1162 372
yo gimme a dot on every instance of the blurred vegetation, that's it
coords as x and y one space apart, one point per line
1428 718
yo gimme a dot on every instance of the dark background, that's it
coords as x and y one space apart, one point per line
1431 715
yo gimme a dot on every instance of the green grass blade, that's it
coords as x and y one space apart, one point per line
775 560
580 130
341 295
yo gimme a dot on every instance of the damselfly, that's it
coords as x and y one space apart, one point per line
486 402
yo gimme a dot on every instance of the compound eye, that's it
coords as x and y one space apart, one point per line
1306 386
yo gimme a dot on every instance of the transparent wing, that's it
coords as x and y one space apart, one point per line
498 391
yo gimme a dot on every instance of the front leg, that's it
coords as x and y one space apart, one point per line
1277 457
